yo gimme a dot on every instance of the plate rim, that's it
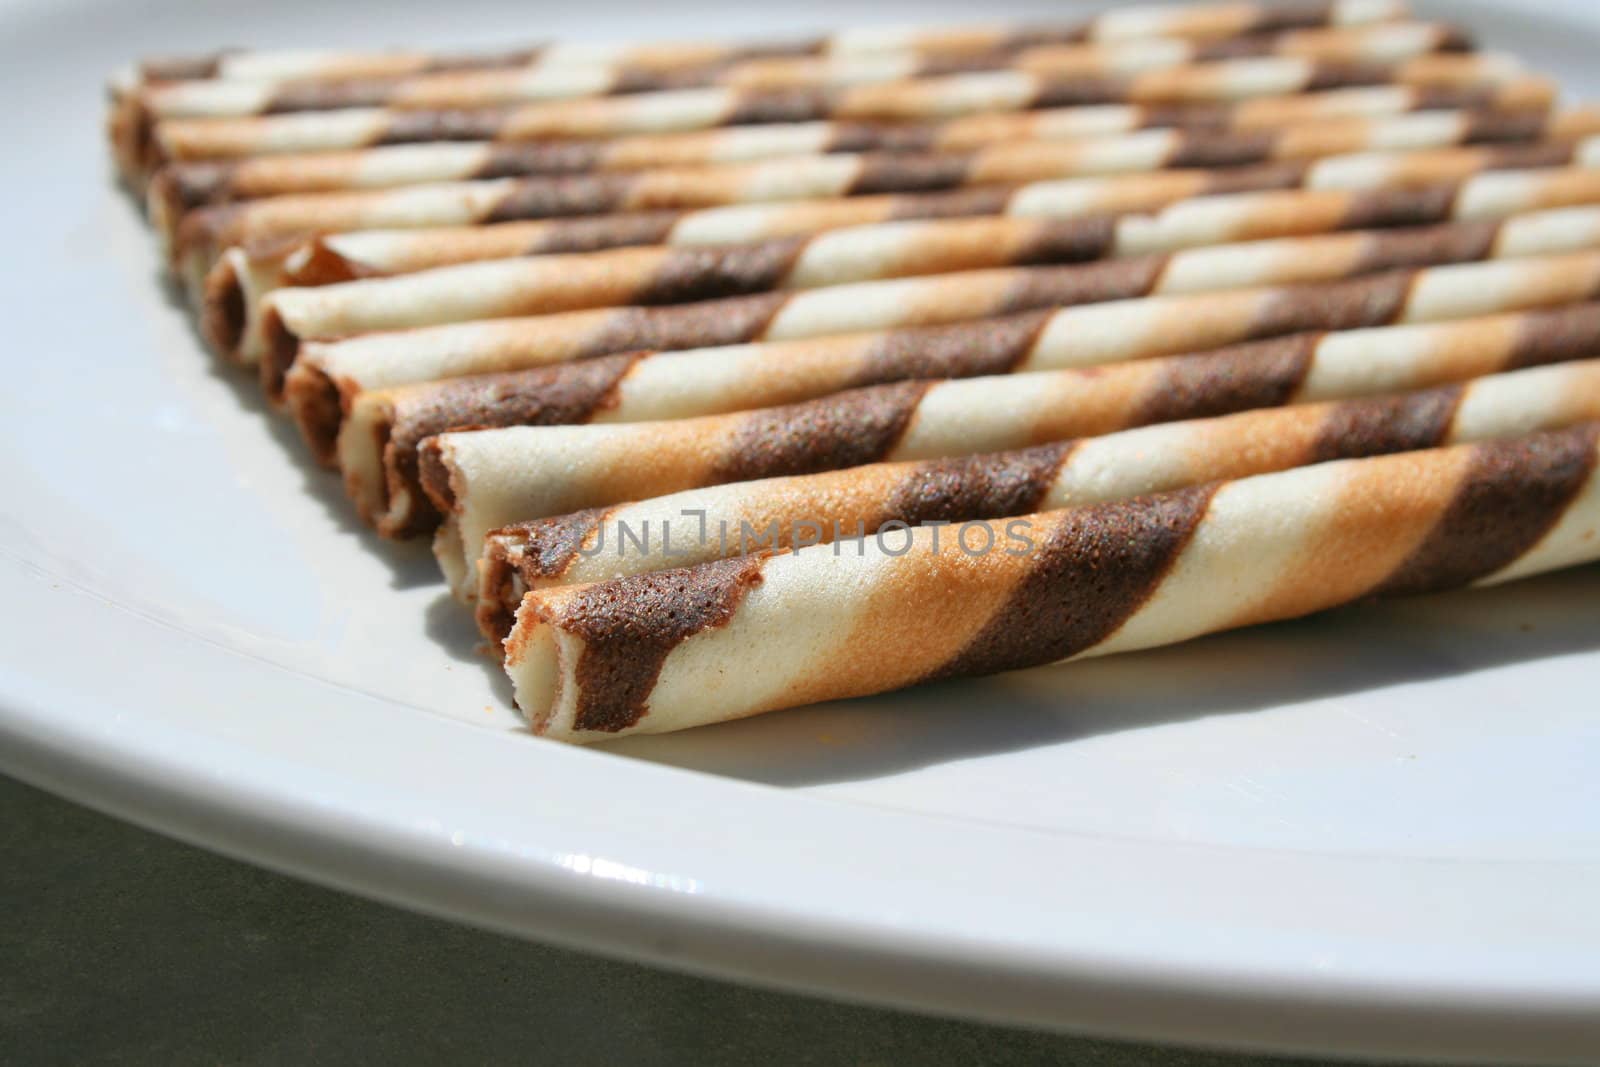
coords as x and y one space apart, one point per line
724 908
755 933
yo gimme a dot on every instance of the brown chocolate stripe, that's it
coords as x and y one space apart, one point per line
1292 14
415 127
1068 240
1375 300
1091 283
583 194
1381 425
560 395
886 172
1529 156
1257 374
977 487
549 544
605 231
630 626
1420 206
1486 127
703 325
1513 493
1286 175
1097 566
1224 149
842 430
958 203
962 350
1456 242
435 476
1556 336
884 137
689 274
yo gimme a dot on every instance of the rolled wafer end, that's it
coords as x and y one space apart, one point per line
176 189
317 403
450 549
524 556
438 482
359 455
242 277
586 660
500 588
225 310
129 127
534 656
382 468
280 348
406 512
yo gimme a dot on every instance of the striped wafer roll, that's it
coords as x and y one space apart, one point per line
329 377
245 274
296 135
778 513
485 479
1197 21
925 98
538 81
680 648
182 187
325 386
488 290
378 448
204 233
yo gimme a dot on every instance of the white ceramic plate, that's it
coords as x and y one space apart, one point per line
1375 832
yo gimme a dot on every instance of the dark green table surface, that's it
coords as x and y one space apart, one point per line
120 946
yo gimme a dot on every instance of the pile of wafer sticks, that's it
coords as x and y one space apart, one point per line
735 377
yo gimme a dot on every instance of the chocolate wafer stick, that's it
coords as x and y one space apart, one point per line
231 294
703 525
182 187
500 289
537 81
378 448
204 233
666 651
486 479
330 377
173 140
1196 21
